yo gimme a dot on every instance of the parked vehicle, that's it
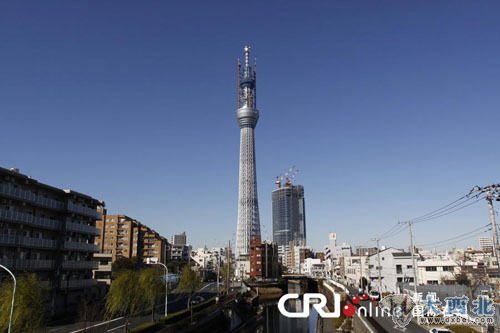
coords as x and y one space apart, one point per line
440 330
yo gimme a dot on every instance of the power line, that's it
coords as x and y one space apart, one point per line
458 236
448 211
403 228
393 229
446 244
439 209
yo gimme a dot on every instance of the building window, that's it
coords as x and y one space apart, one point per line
431 269
448 268
399 269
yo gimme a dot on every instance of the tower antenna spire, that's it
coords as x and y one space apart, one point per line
246 85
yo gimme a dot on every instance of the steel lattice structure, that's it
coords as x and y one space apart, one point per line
247 116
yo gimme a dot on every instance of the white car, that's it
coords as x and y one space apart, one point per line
440 330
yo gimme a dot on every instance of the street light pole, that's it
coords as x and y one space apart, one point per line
361 273
218 273
166 280
13 296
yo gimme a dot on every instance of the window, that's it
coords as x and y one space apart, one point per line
431 269
433 282
409 266
399 269
448 268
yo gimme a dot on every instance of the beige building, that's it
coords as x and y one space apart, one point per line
124 237
50 232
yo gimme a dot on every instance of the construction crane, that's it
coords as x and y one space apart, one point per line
287 177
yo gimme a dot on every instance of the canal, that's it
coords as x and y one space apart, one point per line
272 321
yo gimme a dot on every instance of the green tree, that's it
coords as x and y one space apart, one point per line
189 283
126 296
29 305
127 264
153 287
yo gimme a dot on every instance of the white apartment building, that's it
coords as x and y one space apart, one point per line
313 267
396 266
436 270
208 259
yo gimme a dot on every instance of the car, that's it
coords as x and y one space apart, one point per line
440 330
197 300
374 295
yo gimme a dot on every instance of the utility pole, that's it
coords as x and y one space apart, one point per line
492 193
412 251
228 254
379 268
489 199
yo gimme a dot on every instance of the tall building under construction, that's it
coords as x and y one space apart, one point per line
289 217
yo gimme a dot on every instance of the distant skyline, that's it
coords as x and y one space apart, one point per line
389 110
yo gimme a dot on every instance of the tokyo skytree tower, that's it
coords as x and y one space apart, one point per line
247 115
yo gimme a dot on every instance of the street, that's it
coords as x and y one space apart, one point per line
176 303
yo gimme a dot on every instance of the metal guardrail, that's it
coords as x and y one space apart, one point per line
27 264
83 228
80 246
75 208
18 193
15 216
9 190
27 241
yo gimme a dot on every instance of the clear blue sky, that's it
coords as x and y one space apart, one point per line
388 108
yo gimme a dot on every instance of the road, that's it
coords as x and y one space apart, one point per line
385 321
176 302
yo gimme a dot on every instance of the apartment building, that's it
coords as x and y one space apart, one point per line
263 259
179 250
395 267
50 232
124 237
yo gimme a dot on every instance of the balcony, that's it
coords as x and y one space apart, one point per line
78 284
18 193
15 216
83 264
79 209
37 242
27 264
83 228
77 246
28 241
